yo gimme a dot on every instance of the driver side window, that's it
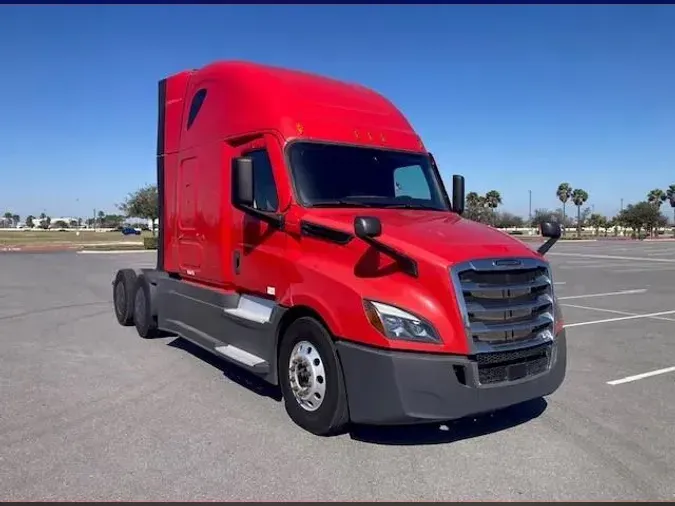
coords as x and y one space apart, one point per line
264 188
411 182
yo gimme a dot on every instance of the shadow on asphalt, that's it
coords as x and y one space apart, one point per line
423 434
232 372
450 432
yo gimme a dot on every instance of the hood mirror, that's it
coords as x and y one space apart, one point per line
552 232
367 227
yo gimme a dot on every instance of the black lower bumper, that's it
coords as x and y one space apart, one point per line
392 387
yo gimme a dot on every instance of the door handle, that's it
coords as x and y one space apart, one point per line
236 261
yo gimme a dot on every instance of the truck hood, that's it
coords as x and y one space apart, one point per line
447 236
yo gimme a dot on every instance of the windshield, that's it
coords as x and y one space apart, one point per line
328 175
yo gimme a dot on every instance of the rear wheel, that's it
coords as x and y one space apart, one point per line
311 379
123 296
144 319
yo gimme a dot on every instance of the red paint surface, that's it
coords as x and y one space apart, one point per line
250 106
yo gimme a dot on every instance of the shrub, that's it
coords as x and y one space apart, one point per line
150 242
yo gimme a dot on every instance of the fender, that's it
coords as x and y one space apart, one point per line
296 296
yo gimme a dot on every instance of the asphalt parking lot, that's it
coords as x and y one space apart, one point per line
89 411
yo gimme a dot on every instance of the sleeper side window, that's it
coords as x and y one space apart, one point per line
195 106
265 196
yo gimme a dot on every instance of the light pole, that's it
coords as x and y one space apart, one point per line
530 211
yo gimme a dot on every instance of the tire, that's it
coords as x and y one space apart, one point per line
144 319
327 414
123 296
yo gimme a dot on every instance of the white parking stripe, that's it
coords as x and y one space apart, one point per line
605 294
622 318
612 257
588 308
641 376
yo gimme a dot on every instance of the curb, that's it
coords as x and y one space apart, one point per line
113 251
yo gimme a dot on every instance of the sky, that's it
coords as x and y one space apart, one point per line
515 98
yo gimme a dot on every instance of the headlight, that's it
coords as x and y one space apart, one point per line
394 323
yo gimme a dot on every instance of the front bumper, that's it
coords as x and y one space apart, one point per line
393 387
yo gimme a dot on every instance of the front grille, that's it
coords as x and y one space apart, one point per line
507 306
514 364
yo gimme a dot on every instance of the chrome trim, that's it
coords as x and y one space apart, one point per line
487 303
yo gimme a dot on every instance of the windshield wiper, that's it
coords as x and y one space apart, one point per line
339 203
412 206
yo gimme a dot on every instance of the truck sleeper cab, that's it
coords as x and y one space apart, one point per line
305 235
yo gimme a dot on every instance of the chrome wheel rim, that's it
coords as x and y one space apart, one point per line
307 376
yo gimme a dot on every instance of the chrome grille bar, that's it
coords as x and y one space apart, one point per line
506 303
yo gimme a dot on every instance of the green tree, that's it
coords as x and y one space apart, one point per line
670 194
509 220
493 199
564 193
142 203
608 224
475 207
597 221
540 216
29 221
641 215
8 219
579 198
656 197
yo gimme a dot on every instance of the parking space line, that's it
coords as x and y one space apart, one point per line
624 313
641 376
613 257
560 283
621 318
605 294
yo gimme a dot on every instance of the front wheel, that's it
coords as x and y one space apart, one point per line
311 379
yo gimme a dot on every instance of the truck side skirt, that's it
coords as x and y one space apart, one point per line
240 328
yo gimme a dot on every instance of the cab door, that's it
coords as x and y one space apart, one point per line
259 247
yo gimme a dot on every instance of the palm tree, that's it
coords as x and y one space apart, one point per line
656 197
564 192
492 200
472 199
8 218
670 194
579 198
16 218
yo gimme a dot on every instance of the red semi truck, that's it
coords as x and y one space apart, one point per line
305 235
